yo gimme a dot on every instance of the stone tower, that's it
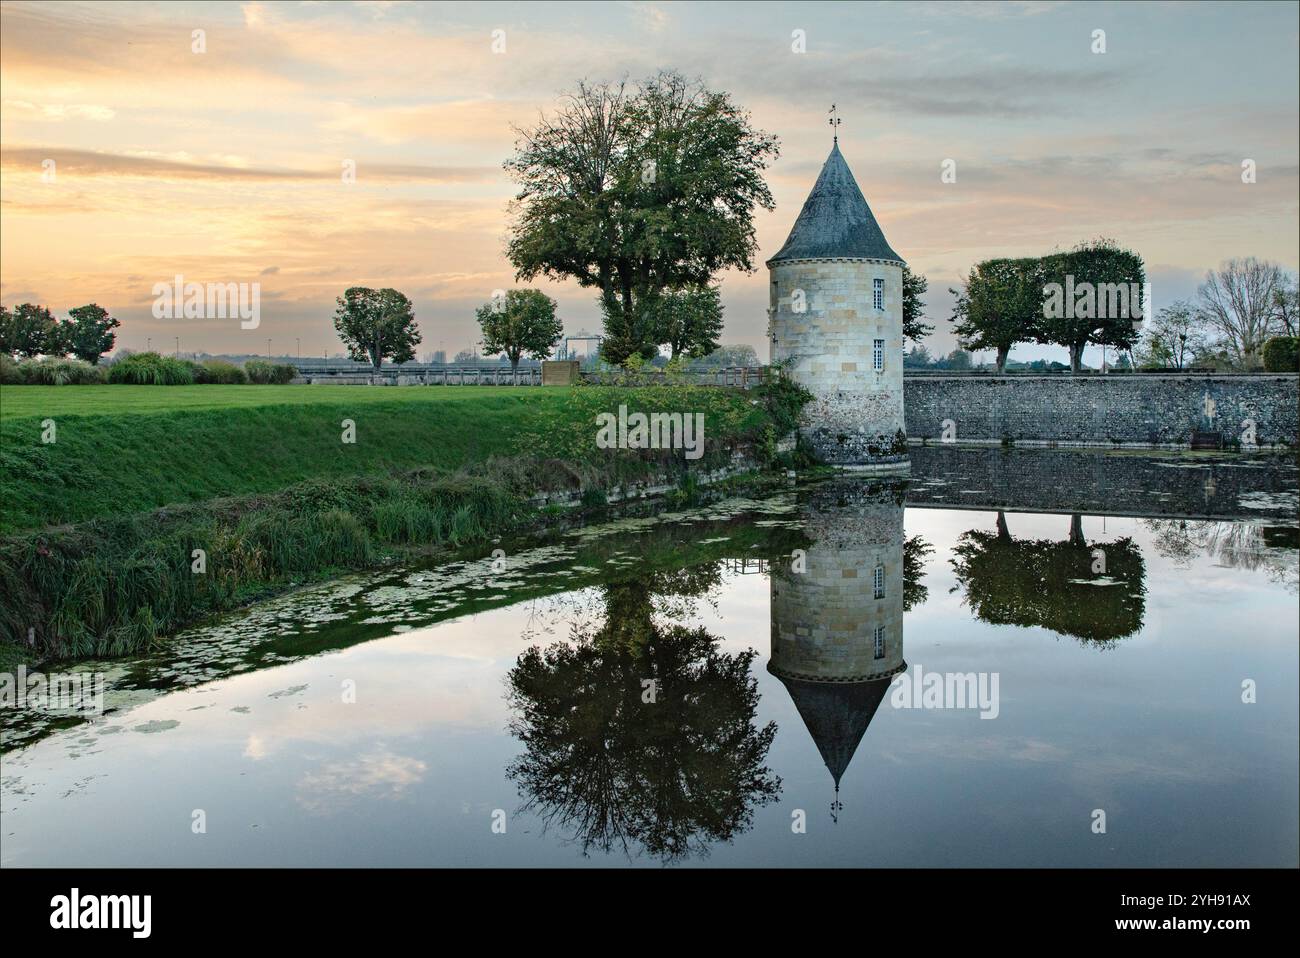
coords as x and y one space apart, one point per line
836 313
837 626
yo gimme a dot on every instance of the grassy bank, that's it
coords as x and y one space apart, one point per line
39 401
430 468
119 450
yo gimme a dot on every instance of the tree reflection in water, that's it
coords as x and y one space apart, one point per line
1040 582
667 777
1275 549
915 553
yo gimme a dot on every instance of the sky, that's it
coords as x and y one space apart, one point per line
226 165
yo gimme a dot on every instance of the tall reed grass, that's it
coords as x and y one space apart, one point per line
112 587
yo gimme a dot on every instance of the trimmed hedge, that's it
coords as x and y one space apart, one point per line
1282 354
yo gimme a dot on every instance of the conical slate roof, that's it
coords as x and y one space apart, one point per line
836 714
835 220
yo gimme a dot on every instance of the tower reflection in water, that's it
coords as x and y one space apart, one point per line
612 766
837 614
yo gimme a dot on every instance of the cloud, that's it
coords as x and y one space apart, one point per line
988 11
380 775
254 15
91 163
465 121
1013 92
649 16
57 112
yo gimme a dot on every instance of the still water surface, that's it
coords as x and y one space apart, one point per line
393 719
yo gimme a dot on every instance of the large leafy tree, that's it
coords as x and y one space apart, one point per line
637 193
1104 311
629 331
689 321
522 323
376 324
29 330
1000 305
914 287
958 359
88 334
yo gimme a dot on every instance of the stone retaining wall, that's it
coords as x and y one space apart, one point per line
1124 410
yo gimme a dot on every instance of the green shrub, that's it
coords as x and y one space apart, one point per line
198 372
784 399
10 372
1282 354
54 371
263 372
220 371
150 369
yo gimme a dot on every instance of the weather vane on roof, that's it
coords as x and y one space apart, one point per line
835 121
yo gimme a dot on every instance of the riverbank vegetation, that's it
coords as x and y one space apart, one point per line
255 498
140 369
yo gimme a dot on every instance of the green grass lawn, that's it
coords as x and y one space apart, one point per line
17 402
127 449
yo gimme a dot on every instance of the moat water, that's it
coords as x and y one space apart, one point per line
738 684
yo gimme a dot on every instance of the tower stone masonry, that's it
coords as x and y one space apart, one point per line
835 315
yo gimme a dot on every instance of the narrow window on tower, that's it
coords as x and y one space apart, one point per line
878 354
878 582
880 642
878 293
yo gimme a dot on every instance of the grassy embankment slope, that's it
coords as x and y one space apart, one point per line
259 479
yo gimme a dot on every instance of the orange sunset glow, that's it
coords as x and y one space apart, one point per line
226 165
